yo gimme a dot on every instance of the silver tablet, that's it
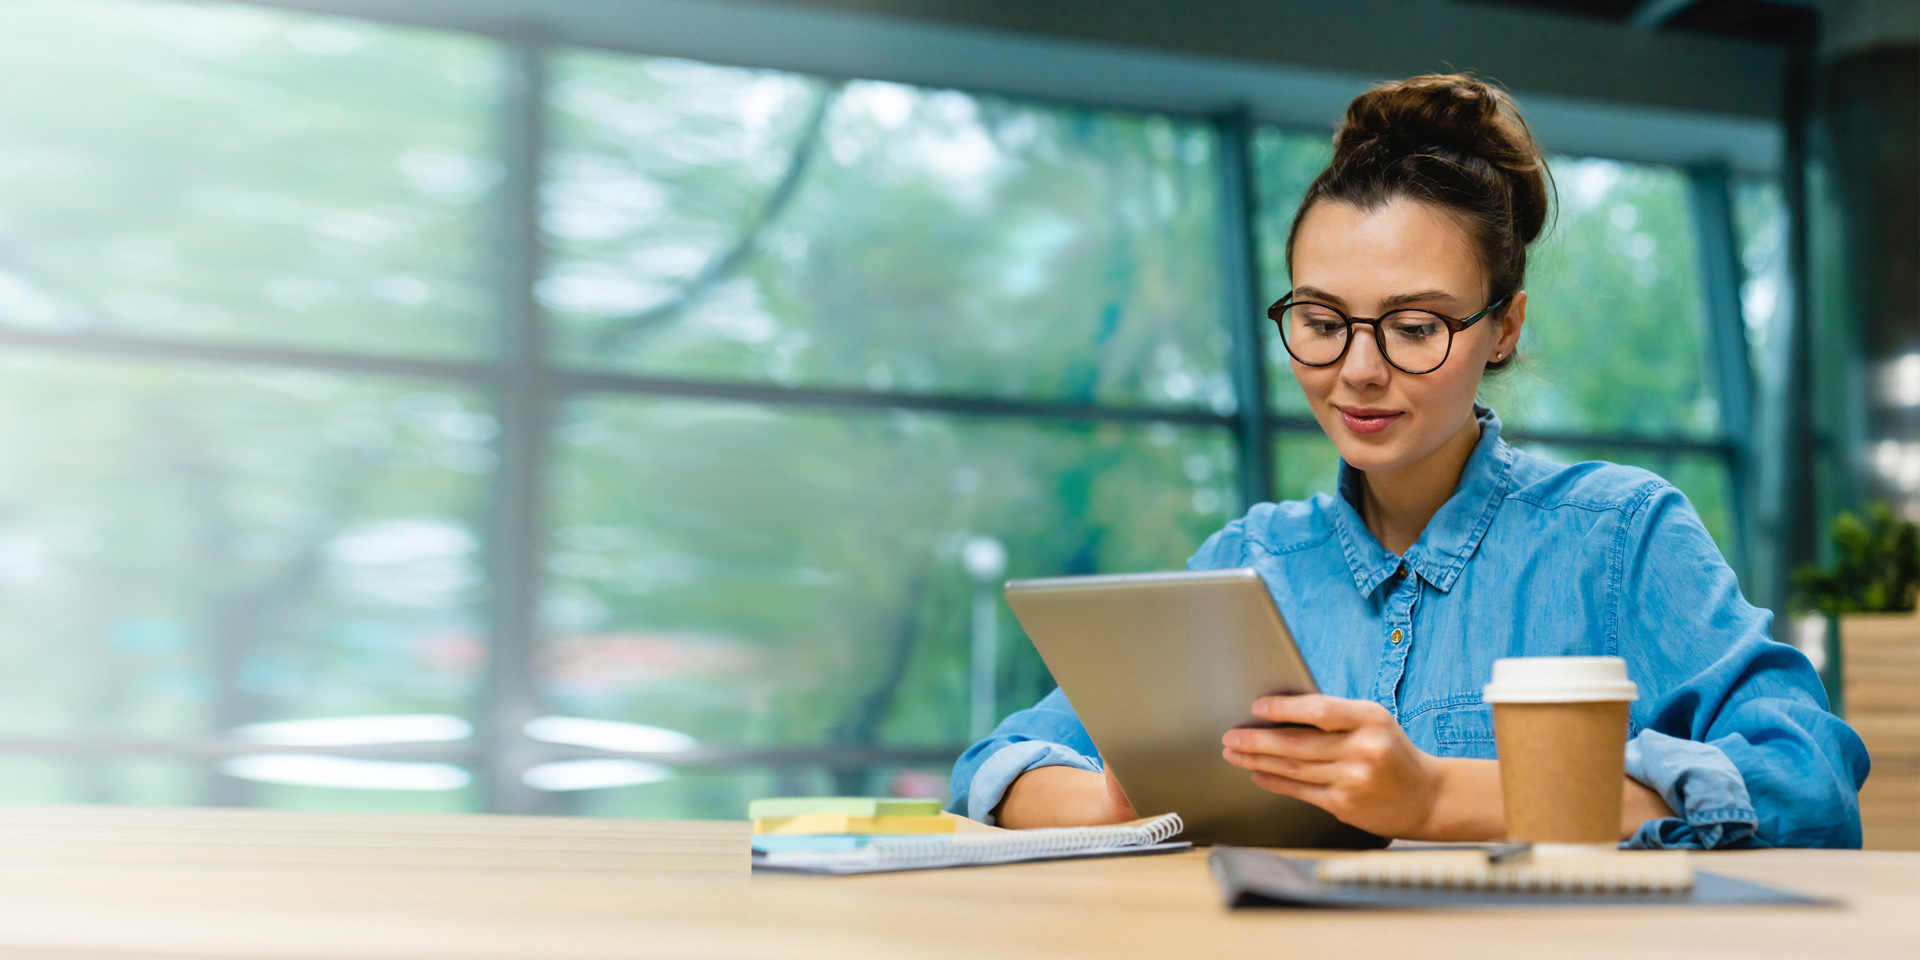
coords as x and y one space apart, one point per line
1158 666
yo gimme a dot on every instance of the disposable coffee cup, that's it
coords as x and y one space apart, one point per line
1560 726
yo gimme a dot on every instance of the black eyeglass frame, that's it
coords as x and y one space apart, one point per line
1454 326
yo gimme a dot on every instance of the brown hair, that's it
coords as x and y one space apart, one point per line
1453 141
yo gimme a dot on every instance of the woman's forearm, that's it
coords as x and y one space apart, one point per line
1061 796
1468 806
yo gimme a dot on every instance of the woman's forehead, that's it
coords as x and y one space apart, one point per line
1366 255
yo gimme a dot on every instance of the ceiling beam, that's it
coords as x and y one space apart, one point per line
1588 86
1654 14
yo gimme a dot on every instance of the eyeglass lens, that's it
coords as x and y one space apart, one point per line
1413 340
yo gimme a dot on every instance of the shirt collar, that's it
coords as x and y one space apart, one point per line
1451 536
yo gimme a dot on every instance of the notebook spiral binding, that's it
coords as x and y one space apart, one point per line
1019 845
1657 873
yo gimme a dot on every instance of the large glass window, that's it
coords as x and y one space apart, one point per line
255 289
187 551
193 550
1760 224
717 222
813 366
754 577
779 575
228 174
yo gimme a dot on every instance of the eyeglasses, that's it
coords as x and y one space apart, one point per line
1413 341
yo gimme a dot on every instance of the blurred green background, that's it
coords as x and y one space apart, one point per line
797 357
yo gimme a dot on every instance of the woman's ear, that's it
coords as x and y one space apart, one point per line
1511 320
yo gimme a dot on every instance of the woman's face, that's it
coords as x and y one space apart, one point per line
1367 262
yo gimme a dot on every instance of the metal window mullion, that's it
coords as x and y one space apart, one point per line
1239 256
836 398
1711 193
1792 497
227 355
139 347
525 397
837 756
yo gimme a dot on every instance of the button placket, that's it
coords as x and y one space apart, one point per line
1402 590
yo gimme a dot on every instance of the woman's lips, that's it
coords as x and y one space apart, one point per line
1367 420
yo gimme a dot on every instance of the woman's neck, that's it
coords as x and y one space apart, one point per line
1398 504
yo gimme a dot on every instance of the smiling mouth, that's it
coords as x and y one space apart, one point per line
1368 419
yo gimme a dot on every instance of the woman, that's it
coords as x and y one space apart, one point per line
1446 548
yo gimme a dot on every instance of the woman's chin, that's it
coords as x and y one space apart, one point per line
1374 458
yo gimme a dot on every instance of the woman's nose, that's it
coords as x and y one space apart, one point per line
1364 363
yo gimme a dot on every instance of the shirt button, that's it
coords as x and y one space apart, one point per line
1397 637
1401 572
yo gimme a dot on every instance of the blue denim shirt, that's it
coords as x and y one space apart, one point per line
1532 558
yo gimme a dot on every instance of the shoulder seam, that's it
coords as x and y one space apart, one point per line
1290 548
1628 505
1595 506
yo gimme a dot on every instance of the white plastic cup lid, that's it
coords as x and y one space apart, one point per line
1559 680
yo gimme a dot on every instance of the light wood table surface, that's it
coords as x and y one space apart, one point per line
105 883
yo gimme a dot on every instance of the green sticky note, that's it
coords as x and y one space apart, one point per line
845 806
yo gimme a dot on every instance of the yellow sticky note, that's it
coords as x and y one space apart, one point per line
837 823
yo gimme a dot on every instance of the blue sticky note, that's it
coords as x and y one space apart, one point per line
767 842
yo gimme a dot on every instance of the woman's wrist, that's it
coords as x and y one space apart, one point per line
1638 804
1466 801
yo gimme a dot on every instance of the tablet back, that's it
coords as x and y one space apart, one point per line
1158 666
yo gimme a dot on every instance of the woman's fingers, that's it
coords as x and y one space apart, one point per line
1300 743
1305 771
1331 714
1314 793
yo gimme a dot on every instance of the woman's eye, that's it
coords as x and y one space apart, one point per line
1412 328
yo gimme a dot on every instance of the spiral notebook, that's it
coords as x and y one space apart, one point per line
1434 879
1513 870
976 844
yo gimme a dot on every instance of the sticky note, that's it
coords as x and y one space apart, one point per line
819 823
847 806
835 842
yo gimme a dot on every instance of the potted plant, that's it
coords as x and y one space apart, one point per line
1868 597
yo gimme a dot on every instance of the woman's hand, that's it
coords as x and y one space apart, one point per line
1061 796
1350 758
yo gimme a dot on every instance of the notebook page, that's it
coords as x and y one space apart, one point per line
984 845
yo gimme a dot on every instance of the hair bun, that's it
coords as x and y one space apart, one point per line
1451 111
1456 118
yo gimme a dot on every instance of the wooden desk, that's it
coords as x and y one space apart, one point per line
115 883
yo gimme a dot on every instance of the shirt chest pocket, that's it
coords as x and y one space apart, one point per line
1464 731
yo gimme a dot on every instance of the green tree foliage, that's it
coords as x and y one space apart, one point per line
191 548
934 242
931 242
228 173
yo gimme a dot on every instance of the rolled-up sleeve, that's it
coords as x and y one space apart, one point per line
1046 734
1732 729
